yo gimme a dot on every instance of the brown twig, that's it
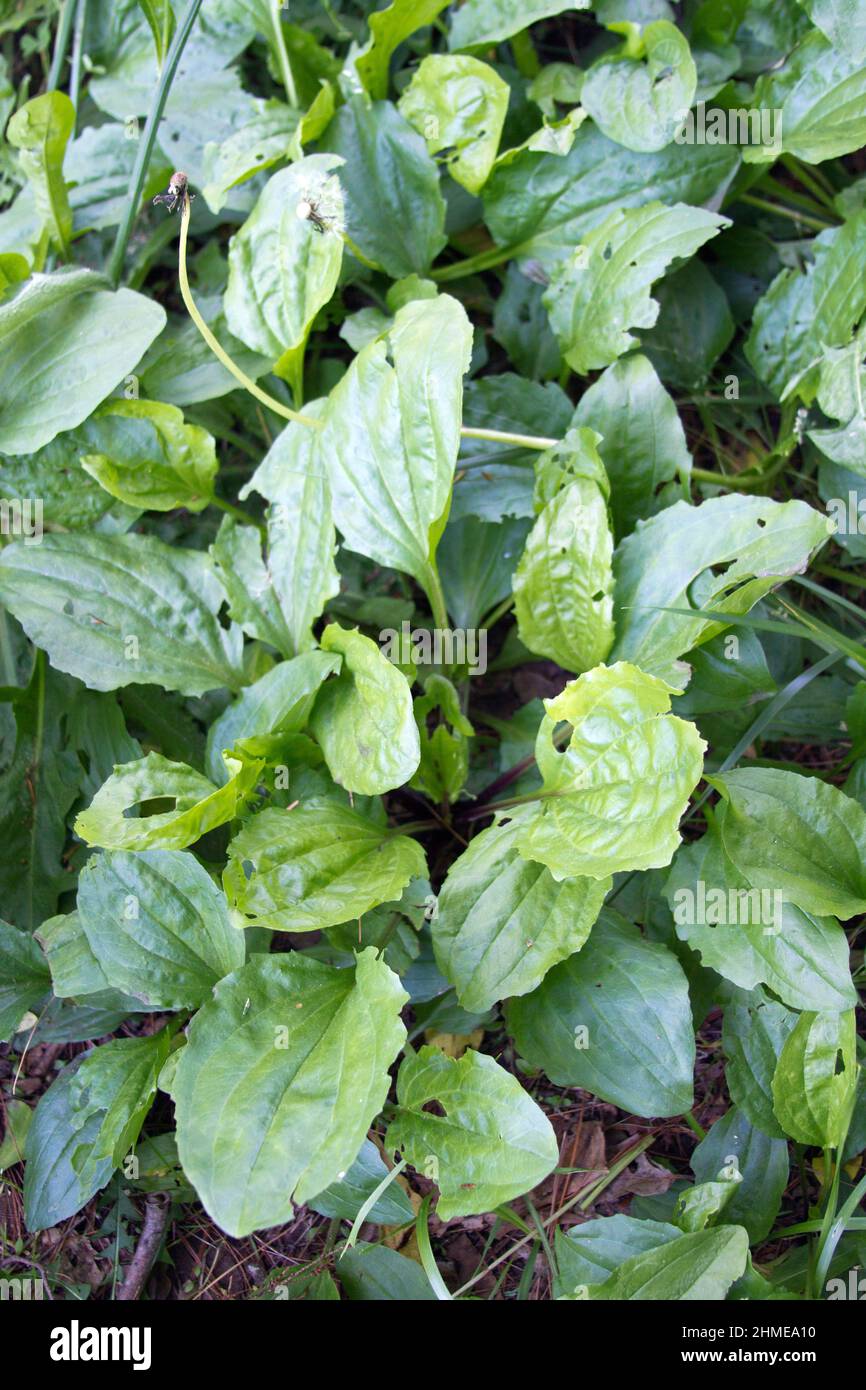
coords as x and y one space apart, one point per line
156 1212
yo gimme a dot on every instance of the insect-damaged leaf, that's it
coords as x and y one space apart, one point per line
493 1143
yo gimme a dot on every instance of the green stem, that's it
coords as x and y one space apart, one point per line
7 656
237 512
498 612
136 183
808 180
525 441
77 56
818 225
61 44
693 1125
433 590
186 294
286 73
471 265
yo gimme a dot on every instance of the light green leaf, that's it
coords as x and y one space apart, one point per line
503 923
820 94
799 834
118 1081
603 288
198 807
84 1124
699 1206
492 1144
587 1024
444 764
643 442
754 1029
297 1052
40 130
484 22
24 978
638 94
458 104
144 454
160 16
613 797
388 29
248 151
843 22
283 268
123 610
158 926
280 701
300 537
395 213
589 1252
392 433
75 971
363 718
668 562
563 585
316 866
18 1119
543 204
815 1081
752 937
700 1266
65 344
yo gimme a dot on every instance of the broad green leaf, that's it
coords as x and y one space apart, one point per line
492 1144
280 701
144 454
764 1164
444 764
603 288
588 1023
395 213
816 1079
316 866
483 22
754 937
389 27
543 204
669 561
123 610
118 1081
198 807
701 1205
521 326
282 267
160 16
798 834
803 313
820 94
248 151
300 535
613 798
375 1273
392 433
346 1196
503 922
563 585
40 781
476 561
638 93
24 978
587 1253
643 442
158 926
40 131
65 344
363 718
297 1053
18 1120
75 971
61 1172
843 22
458 105
754 1029
85 1123
701 1266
